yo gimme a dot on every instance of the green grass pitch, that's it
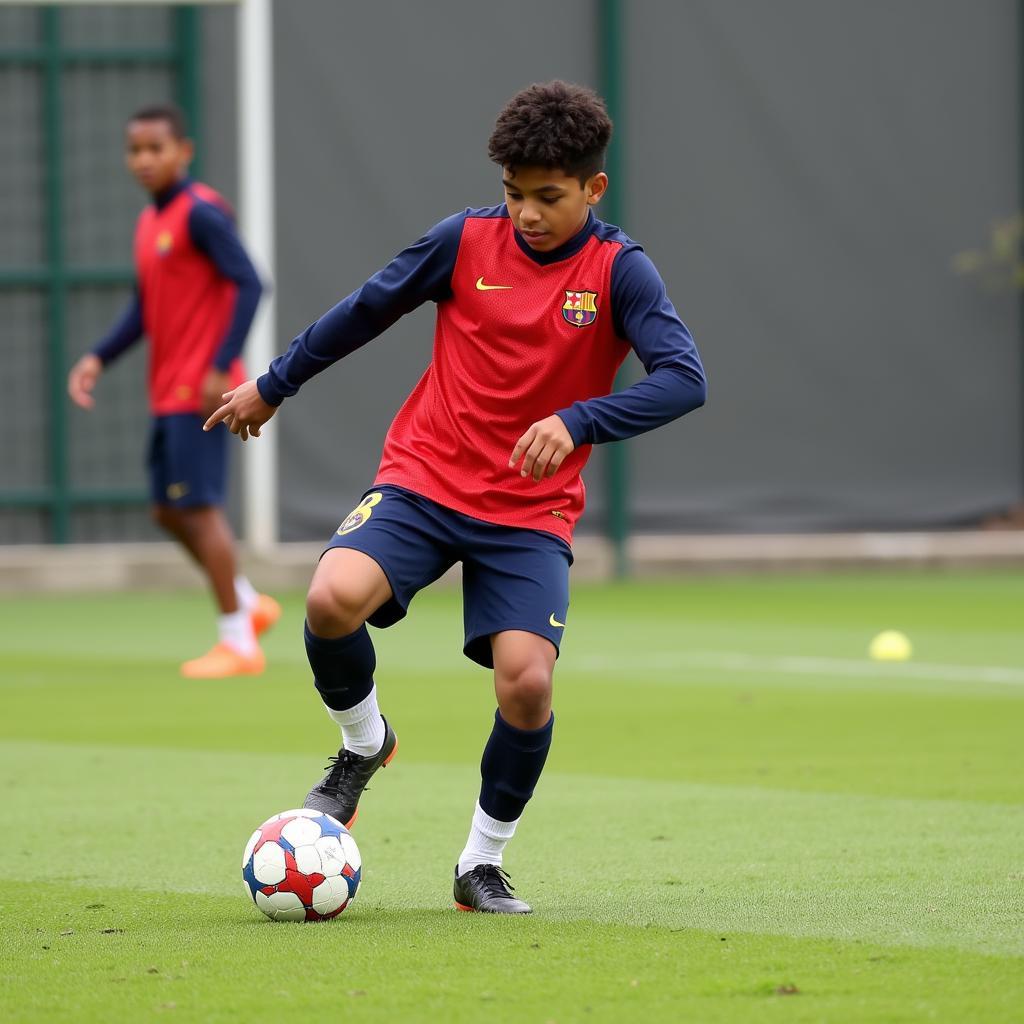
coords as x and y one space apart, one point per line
742 817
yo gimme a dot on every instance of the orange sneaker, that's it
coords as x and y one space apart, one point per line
222 661
265 612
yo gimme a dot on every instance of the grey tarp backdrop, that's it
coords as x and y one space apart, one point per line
802 174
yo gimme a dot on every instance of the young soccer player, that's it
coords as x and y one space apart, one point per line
538 303
195 296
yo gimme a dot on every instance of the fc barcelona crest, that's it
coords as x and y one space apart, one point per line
580 308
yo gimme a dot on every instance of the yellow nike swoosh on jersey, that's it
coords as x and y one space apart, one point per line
555 622
490 287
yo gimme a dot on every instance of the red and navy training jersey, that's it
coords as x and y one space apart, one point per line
196 294
520 335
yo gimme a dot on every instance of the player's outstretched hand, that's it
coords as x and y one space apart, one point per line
542 448
244 411
82 379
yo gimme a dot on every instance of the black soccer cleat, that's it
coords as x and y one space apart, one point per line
486 888
338 792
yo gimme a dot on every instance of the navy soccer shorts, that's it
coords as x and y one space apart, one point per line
511 578
187 466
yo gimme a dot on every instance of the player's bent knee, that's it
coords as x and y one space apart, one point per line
528 685
347 588
333 610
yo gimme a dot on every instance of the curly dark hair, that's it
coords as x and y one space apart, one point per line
555 125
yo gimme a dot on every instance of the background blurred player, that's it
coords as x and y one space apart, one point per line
195 297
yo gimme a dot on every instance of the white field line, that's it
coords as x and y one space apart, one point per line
728 661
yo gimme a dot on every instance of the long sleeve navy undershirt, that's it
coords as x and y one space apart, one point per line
127 330
675 383
418 274
642 313
214 234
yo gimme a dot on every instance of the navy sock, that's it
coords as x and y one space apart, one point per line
342 667
512 762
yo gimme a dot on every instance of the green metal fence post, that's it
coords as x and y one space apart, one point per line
187 42
60 506
610 24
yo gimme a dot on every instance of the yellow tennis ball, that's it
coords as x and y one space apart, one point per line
890 645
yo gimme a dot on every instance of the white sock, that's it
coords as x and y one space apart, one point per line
362 728
235 630
487 839
245 593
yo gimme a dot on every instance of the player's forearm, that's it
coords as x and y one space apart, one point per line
421 273
126 332
340 331
246 301
668 393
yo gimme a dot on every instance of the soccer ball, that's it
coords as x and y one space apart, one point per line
301 866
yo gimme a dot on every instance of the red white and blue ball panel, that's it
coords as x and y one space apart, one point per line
301 865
